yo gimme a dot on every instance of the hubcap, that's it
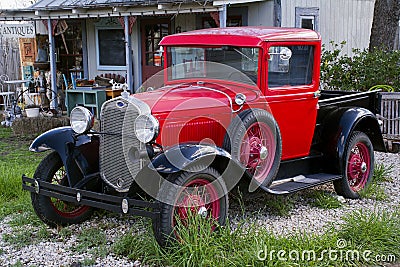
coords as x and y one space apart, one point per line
263 153
199 197
364 167
203 212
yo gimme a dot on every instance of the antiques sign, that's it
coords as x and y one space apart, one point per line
26 30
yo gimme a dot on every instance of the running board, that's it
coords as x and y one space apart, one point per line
300 182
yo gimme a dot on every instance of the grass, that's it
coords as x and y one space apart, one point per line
17 264
88 262
356 242
281 205
382 173
24 219
93 239
375 189
19 239
324 200
140 245
65 233
15 160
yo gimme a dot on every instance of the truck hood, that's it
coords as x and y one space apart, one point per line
186 97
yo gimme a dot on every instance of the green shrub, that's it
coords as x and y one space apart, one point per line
361 71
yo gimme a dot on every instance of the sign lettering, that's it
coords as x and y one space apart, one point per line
17 30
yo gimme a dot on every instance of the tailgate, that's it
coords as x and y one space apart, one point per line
390 116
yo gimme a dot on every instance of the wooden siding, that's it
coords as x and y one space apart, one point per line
339 20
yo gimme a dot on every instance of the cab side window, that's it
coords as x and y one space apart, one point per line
290 65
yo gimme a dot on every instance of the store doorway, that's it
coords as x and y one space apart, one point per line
152 33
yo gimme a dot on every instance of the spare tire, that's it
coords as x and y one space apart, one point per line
254 139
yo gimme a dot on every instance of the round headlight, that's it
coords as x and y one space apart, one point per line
82 120
146 128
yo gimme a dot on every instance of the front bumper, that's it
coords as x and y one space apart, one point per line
116 204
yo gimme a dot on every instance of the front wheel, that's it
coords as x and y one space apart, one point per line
358 167
254 139
197 192
55 212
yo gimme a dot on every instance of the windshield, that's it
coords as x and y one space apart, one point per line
193 62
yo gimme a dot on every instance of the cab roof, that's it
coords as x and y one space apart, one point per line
240 36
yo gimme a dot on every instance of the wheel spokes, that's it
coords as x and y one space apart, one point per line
358 166
257 151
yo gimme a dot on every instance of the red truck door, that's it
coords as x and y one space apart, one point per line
291 83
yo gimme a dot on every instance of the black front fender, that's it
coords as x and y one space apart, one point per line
56 139
64 141
188 157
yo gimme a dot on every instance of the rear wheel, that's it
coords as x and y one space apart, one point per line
199 193
52 211
358 166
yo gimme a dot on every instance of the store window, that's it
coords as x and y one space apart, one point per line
110 49
68 42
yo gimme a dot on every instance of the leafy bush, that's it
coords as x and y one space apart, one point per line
361 71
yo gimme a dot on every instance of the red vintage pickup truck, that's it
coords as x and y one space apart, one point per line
233 106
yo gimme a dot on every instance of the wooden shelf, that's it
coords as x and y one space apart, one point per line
92 99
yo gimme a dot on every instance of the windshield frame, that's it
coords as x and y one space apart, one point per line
168 65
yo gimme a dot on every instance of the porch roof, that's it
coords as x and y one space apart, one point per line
68 4
65 9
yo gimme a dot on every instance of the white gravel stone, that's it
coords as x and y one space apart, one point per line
302 218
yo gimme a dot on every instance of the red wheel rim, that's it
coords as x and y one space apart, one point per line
257 151
62 208
358 166
198 196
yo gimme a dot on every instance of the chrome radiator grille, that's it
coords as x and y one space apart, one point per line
119 147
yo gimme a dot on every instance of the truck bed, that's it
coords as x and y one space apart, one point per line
385 105
368 100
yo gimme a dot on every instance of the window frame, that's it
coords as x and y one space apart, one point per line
307 12
106 67
302 87
168 61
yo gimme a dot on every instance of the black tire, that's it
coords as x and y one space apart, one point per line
358 166
270 138
51 211
173 192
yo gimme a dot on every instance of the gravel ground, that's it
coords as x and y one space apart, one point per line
56 250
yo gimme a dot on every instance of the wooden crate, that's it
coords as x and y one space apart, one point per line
390 117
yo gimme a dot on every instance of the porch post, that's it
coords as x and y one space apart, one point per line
84 51
53 71
128 52
223 16
277 13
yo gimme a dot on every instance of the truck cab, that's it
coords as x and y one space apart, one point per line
281 64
